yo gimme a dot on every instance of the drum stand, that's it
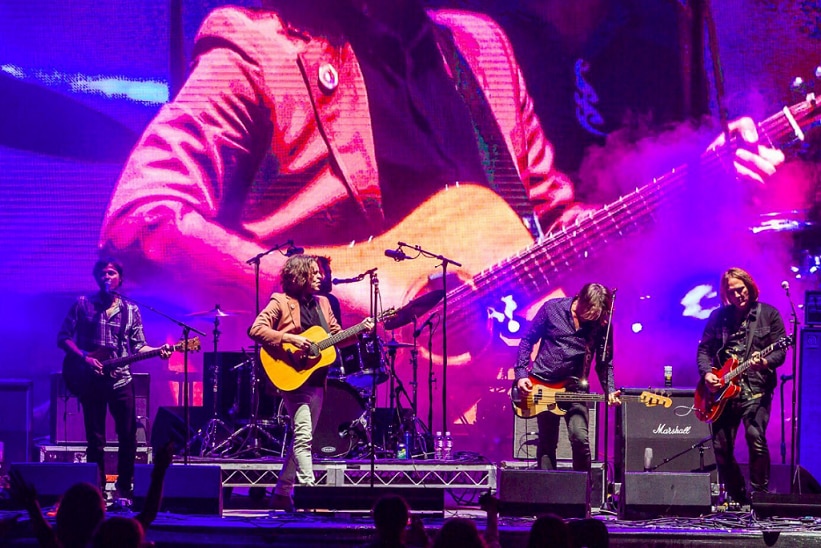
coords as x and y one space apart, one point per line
208 434
409 425
252 434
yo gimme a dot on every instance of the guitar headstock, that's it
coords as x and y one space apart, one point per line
654 399
386 315
193 345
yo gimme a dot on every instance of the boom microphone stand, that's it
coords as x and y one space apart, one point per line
252 433
186 331
795 380
444 264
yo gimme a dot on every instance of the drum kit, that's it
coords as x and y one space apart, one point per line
349 426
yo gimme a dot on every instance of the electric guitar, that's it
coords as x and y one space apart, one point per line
499 256
80 378
709 405
289 367
545 397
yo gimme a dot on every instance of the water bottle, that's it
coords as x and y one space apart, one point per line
401 451
438 446
409 443
447 454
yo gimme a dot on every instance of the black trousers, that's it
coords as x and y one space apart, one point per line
577 418
754 414
120 402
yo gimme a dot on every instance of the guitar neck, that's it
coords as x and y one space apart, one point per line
542 265
745 365
341 336
586 397
120 362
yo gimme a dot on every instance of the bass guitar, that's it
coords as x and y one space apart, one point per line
546 396
708 405
80 378
289 367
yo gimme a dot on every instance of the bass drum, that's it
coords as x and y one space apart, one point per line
341 421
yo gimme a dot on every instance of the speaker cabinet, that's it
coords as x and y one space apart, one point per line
191 489
665 433
808 442
790 505
526 437
534 492
648 495
16 410
52 479
66 417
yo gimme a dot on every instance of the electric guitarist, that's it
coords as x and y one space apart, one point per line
288 314
570 332
740 329
98 326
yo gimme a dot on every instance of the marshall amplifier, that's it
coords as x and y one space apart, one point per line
647 436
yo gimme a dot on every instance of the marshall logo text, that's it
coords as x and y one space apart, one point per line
672 430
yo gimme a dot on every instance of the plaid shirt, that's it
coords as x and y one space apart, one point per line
86 323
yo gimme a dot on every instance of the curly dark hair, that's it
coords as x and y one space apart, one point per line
296 274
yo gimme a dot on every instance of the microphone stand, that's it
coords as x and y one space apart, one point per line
784 379
252 431
375 297
606 382
445 262
186 330
795 380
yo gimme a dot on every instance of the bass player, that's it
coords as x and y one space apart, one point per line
570 332
740 329
287 315
100 326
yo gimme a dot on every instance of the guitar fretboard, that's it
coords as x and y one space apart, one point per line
540 266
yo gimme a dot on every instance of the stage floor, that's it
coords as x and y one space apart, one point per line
245 520
323 530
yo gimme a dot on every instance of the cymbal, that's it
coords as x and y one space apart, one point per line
216 313
397 344
414 309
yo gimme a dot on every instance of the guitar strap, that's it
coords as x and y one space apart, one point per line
123 321
498 164
322 320
751 330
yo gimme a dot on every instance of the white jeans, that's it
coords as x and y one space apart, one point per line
303 405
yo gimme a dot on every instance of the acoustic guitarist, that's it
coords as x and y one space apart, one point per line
740 329
98 327
288 314
570 332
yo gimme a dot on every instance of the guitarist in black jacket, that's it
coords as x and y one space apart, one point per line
740 329
98 327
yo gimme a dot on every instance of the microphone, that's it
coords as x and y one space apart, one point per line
294 250
396 254
107 287
785 285
424 324
648 458
337 281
